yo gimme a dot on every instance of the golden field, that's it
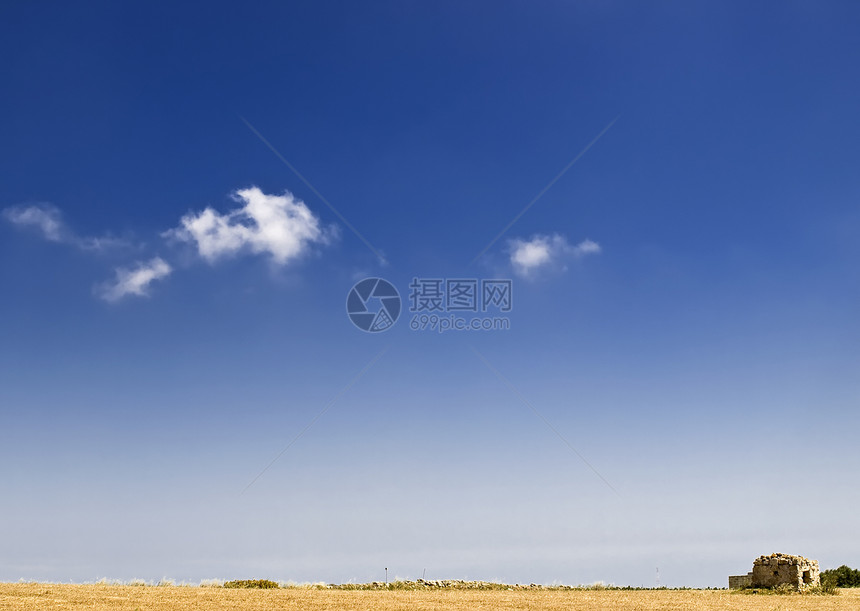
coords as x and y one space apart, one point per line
34 596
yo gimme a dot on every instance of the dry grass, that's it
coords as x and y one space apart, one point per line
33 596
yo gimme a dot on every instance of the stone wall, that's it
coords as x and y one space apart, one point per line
779 569
740 581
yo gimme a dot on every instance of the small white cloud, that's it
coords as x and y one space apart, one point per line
586 247
528 255
544 251
135 281
278 225
46 218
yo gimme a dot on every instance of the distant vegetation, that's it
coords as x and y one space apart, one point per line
843 577
260 584
421 584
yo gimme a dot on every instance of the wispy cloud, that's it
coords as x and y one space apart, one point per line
280 226
546 252
135 280
48 220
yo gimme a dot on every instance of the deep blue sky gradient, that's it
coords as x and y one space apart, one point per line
717 329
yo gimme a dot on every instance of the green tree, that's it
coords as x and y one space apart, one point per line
843 577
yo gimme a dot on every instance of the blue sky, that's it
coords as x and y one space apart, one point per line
173 305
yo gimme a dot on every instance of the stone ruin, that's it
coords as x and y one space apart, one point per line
779 569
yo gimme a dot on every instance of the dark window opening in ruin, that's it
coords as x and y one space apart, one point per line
807 578
776 573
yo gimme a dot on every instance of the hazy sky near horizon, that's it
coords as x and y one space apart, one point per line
172 315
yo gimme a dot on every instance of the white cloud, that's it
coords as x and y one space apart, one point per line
135 281
278 225
45 217
544 252
48 219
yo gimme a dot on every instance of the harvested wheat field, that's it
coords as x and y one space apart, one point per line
31 596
